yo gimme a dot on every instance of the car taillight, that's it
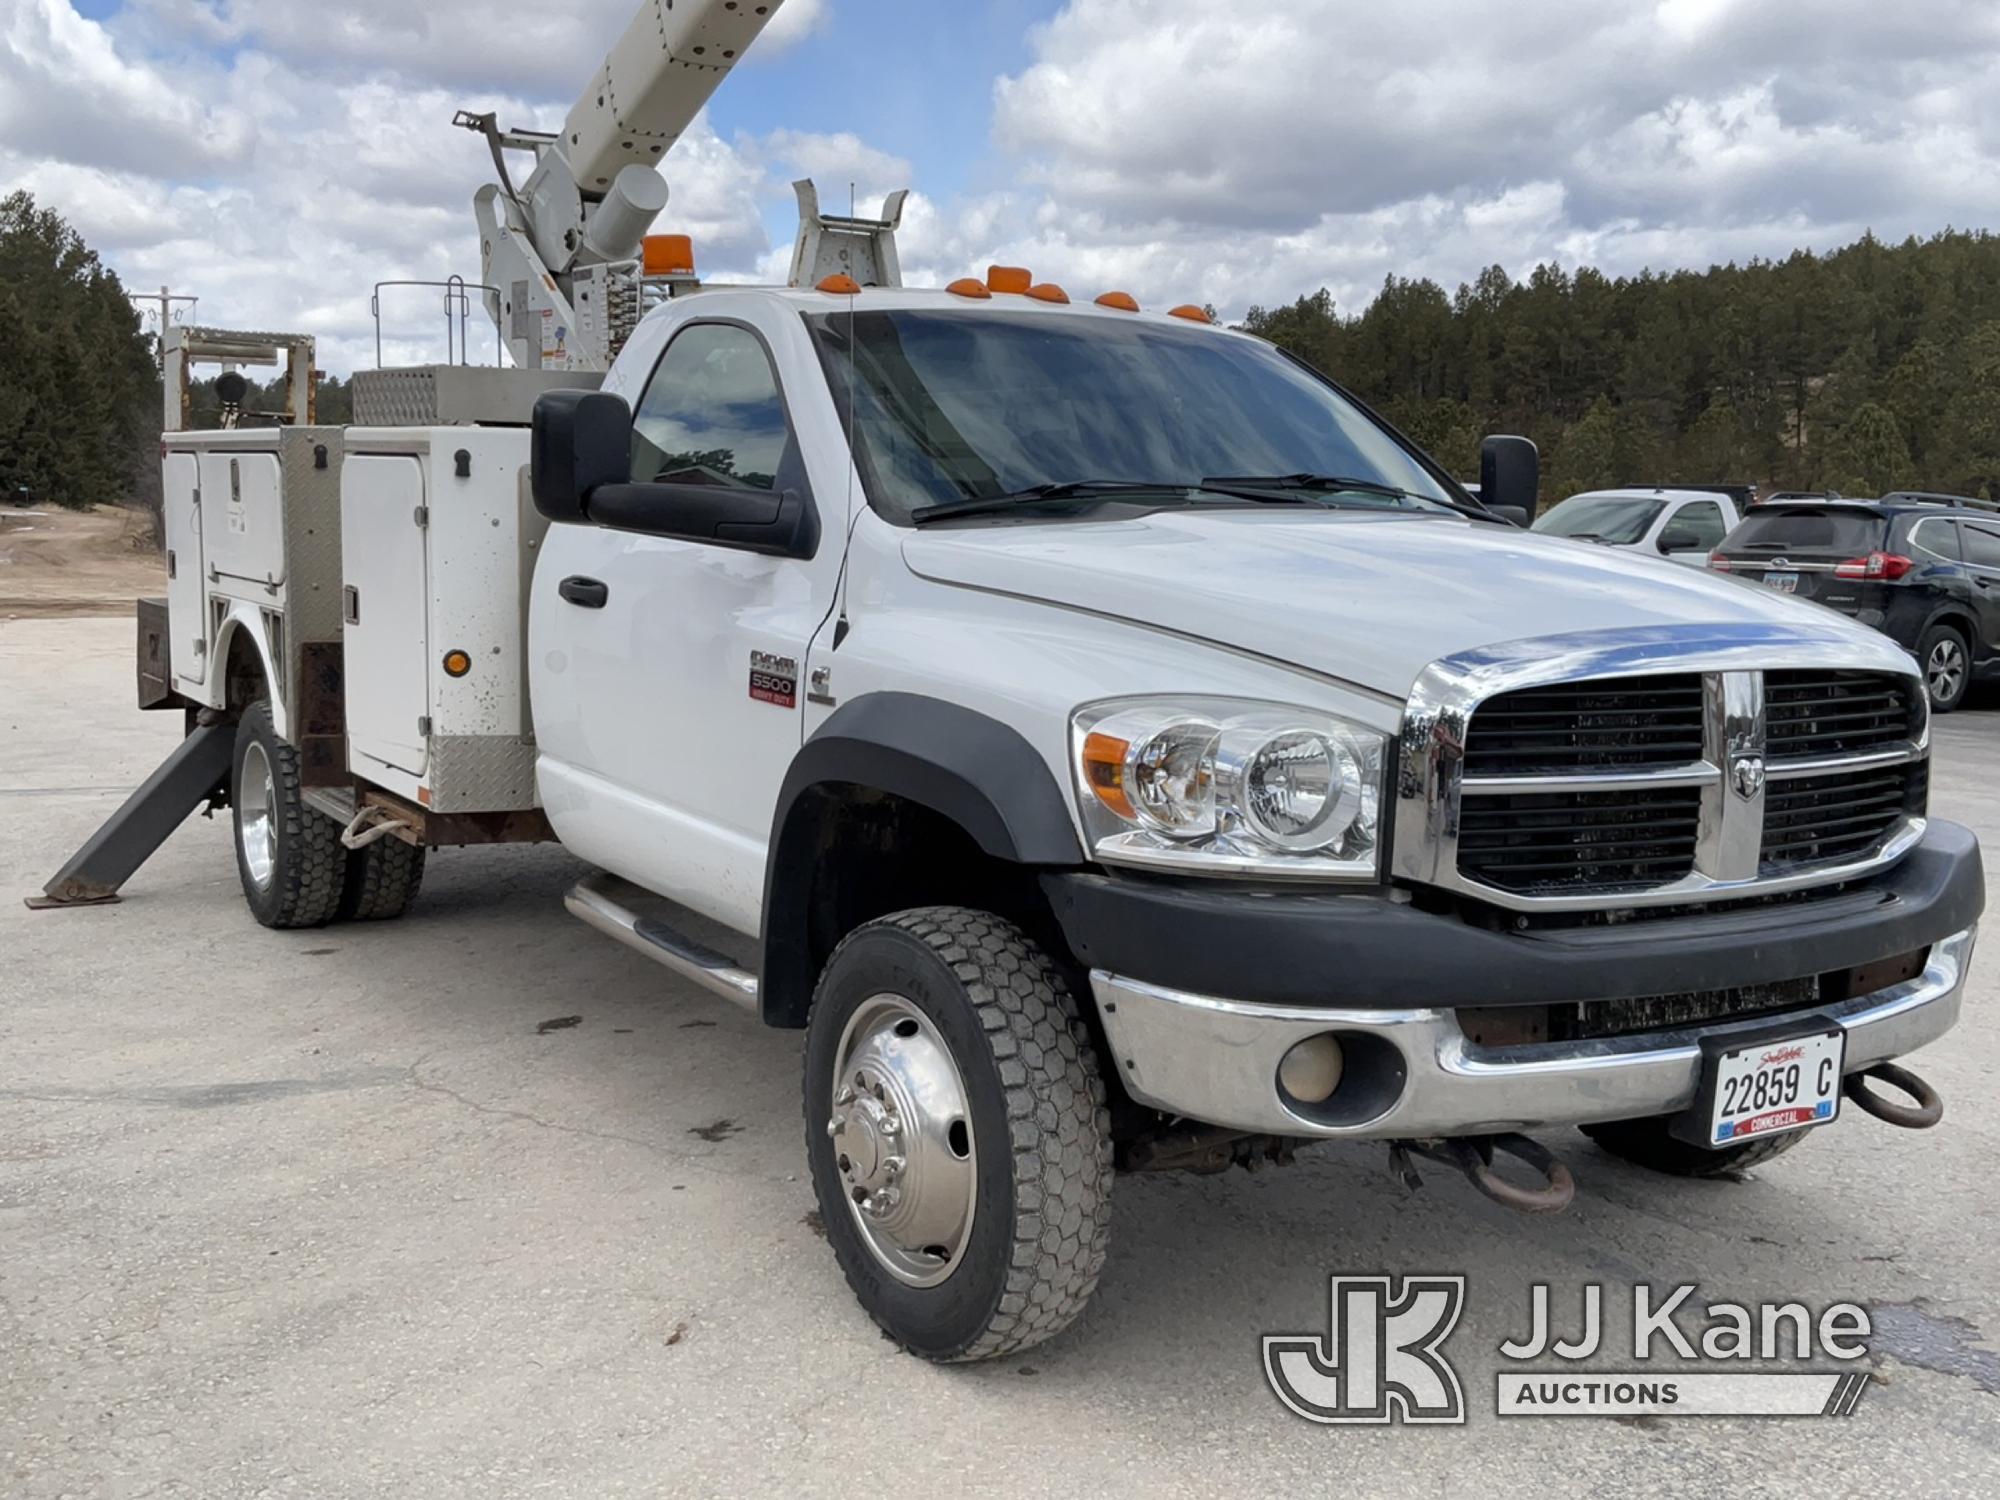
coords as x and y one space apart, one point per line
1718 562
1890 565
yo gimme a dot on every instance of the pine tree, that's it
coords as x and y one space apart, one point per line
78 386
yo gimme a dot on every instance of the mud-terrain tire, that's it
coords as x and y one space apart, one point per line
288 855
1030 1186
382 880
1646 1143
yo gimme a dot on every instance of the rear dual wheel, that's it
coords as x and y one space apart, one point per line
957 1133
294 870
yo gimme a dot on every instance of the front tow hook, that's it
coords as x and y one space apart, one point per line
1473 1156
1925 1110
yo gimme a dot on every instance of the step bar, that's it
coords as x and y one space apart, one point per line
648 924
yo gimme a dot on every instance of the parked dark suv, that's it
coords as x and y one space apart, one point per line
1925 570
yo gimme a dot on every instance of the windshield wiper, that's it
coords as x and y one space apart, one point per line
1178 490
1333 484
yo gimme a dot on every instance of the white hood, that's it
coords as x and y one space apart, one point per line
1369 599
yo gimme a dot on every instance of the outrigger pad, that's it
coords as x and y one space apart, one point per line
186 779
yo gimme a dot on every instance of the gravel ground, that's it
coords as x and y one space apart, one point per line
333 1213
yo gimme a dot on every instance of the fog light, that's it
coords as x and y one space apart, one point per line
1310 1072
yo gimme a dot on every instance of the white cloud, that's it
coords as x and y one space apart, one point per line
281 155
798 20
1265 151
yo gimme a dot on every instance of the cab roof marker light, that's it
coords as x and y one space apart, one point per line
1014 279
968 286
667 255
1048 291
838 285
1123 301
1192 313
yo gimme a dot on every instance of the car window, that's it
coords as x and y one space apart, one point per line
1852 533
1982 543
1938 536
1702 519
711 413
1618 519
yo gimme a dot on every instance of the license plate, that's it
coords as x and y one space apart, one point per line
1768 1085
1784 583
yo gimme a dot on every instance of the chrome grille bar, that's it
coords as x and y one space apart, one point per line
1729 857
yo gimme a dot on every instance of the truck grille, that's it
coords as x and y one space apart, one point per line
1549 841
1588 726
1826 819
1629 785
1837 713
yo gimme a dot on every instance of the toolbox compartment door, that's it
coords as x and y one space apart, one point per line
187 601
385 610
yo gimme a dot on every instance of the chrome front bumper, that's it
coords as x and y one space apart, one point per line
1216 1060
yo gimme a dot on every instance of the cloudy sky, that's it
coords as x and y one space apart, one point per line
277 157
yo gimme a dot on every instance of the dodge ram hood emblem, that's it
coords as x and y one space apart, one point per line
1746 775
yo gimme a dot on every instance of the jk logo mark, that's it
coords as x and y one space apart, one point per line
1379 1359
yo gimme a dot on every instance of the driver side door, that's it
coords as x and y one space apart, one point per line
668 697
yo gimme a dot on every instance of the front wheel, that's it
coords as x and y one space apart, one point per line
957 1133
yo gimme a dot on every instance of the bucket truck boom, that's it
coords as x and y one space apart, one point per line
560 252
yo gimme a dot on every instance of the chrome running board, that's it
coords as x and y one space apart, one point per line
645 922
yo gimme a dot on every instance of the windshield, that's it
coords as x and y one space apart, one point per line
1618 519
1848 532
951 406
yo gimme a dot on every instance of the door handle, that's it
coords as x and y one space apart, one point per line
587 592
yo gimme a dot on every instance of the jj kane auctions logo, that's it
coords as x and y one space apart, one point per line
1382 1357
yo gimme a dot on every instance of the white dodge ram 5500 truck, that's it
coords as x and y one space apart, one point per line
1111 744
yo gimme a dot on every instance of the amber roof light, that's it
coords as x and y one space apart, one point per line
1009 278
1123 301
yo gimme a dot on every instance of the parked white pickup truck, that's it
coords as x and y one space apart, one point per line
1682 525
1109 743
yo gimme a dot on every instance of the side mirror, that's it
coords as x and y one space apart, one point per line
581 440
1510 474
1674 539
1513 513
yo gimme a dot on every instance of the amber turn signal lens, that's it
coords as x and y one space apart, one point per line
1104 771
456 664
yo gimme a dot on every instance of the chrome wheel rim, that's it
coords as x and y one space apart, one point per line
256 833
901 1135
1946 670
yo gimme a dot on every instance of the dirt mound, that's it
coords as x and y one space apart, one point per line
76 562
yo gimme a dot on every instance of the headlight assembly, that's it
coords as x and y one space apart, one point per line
1223 786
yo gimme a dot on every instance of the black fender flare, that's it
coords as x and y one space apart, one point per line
966 766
